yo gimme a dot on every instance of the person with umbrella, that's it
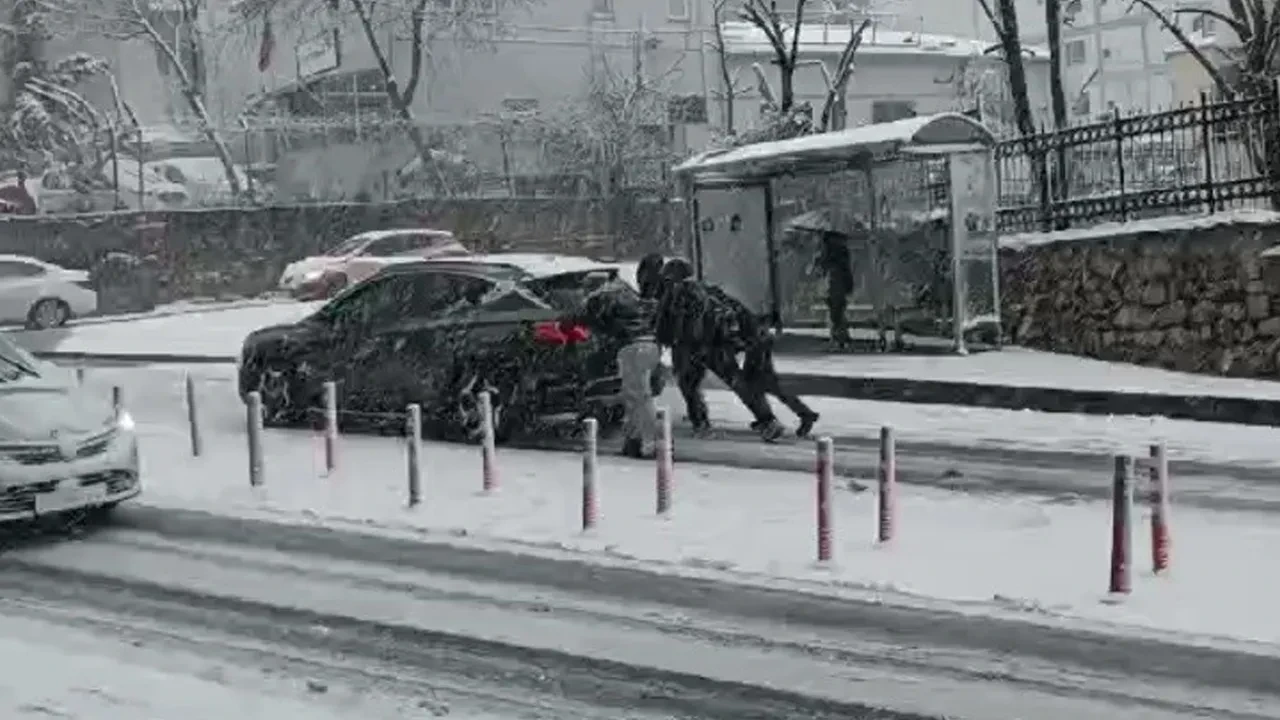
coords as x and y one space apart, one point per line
834 261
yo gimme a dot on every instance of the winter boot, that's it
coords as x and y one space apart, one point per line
770 430
806 425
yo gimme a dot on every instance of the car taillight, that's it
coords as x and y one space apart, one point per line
86 284
551 333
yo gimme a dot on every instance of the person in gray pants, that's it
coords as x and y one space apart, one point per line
615 312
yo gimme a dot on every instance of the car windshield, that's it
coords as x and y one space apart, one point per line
15 362
566 292
348 246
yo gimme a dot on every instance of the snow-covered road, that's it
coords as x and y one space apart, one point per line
355 636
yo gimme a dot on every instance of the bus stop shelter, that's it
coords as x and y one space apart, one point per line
915 200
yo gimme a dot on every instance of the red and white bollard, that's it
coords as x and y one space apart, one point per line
1122 527
1158 467
665 463
590 450
887 486
825 469
488 444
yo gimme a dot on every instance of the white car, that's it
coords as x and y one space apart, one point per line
204 178
64 446
140 188
356 258
43 295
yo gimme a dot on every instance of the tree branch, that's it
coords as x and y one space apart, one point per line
1209 67
417 40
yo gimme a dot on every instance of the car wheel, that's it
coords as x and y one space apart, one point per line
275 384
466 416
48 313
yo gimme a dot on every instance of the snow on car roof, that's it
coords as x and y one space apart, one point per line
383 234
538 265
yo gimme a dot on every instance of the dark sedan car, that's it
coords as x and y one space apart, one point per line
436 333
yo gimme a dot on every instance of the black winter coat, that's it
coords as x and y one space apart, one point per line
616 312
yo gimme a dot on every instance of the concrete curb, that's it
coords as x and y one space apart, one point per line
875 616
1203 408
137 358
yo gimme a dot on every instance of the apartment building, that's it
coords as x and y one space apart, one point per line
1115 54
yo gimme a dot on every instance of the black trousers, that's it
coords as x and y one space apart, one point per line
760 379
690 366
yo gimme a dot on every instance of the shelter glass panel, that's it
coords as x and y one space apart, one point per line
976 241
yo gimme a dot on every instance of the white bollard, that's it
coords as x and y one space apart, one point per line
253 424
488 444
193 418
413 431
665 462
330 426
590 451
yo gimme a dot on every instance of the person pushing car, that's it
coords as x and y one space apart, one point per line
614 311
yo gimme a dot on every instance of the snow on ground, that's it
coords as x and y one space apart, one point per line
992 554
54 671
1020 367
156 391
220 333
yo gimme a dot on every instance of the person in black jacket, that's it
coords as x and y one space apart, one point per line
834 261
704 333
613 310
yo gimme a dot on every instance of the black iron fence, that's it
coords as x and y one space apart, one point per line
1205 158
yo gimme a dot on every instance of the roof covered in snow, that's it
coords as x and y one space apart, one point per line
815 36
538 265
941 133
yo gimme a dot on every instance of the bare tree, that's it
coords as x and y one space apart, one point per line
469 23
1054 19
1254 66
1004 20
729 90
784 41
125 20
835 113
613 132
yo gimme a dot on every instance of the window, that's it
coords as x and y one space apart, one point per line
678 10
1076 52
890 110
602 8
14 269
1203 24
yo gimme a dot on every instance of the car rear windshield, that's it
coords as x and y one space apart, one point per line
566 292
15 362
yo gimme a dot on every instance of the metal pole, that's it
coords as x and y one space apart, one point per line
826 461
413 431
193 418
253 424
1121 526
1160 535
665 464
330 426
590 449
888 482
488 444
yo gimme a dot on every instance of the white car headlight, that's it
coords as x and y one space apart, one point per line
124 421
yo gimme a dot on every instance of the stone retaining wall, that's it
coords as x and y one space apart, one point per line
1196 296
